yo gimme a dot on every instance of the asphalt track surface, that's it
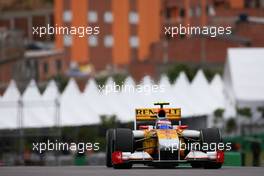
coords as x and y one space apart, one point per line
135 171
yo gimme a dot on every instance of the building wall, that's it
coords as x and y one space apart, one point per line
133 29
79 18
50 66
24 20
58 11
121 32
40 68
149 27
99 55
146 32
6 72
237 4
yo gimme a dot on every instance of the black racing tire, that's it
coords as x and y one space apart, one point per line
213 165
123 166
123 141
209 136
197 165
109 147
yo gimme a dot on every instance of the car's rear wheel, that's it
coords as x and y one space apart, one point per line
109 146
123 141
211 136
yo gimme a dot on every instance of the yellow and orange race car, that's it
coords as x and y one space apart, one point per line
159 140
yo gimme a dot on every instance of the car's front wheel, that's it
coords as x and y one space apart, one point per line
213 165
196 165
123 142
109 147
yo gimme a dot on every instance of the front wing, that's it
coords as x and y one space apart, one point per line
143 157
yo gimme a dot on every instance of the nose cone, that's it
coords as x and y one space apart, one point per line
168 139
169 144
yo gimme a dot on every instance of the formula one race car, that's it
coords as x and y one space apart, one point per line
160 140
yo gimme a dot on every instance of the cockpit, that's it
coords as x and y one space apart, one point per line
162 122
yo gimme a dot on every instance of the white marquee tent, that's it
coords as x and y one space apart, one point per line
242 86
9 112
73 108
183 95
244 78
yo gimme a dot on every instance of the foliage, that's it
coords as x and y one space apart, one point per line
109 121
219 113
119 78
210 73
101 80
261 110
174 71
231 125
246 112
87 133
61 81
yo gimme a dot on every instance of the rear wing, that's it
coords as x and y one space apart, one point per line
148 114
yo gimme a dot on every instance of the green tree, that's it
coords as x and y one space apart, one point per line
210 73
231 125
101 80
174 71
245 112
109 121
61 81
119 78
261 110
218 115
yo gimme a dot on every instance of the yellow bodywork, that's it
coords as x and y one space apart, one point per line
167 134
150 143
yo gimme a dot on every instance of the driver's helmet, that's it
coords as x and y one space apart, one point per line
163 124
161 114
